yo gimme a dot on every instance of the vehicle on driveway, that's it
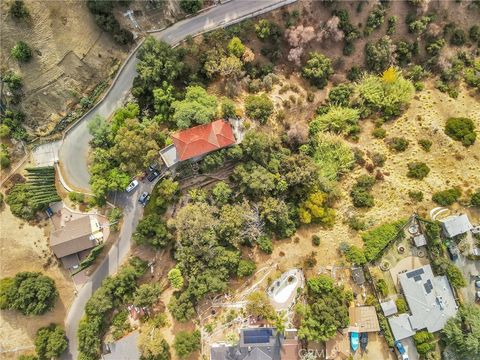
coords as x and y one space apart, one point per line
477 282
132 186
153 175
152 167
452 251
401 350
143 199
363 340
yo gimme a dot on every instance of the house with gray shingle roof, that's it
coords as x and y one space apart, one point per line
430 299
123 349
389 307
456 225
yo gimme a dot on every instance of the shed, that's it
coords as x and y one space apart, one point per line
401 327
358 275
389 307
420 240
363 319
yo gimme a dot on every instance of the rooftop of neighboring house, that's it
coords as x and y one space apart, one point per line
389 307
77 235
257 344
363 319
123 349
198 141
455 225
430 299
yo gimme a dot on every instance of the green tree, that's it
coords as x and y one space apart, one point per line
246 268
101 132
30 293
221 193
186 343
258 304
176 279
197 108
379 55
236 47
21 52
163 98
461 129
229 109
259 107
277 218
13 80
340 95
263 29
4 157
315 210
50 342
146 295
326 310
462 332
167 192
191 6
318 69
152 230
401 305
151 343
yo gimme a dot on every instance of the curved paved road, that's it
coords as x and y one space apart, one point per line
74 150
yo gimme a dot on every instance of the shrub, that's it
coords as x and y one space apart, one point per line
265 244
417 170
259 107
379 133
416 196
455 276
355 255
176 279
339 120
316 240
360 193
18 10
378 159
318 69
401 305
461 129
399 144
376 239
388 94
246 268
474 33
76 197
382 287
4 157
475 200
425 144
30 293
340 95
459 37
375 20
356 223
391 25
447 197
21 52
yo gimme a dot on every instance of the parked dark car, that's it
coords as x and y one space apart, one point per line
143 199
152 167
452 252
153 175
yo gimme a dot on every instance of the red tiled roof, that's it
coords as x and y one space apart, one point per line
203 139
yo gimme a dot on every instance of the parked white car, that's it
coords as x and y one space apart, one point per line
132 186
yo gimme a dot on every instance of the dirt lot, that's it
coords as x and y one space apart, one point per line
24 247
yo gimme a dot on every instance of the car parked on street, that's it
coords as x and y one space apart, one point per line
143 199
132 186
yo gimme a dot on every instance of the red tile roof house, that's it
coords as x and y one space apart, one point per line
198 141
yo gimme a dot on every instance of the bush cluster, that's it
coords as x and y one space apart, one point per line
417 170
447 197
461 129
361 196
378 238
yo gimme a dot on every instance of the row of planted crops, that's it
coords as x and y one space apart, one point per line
26 198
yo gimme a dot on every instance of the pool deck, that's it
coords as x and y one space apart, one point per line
291 299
